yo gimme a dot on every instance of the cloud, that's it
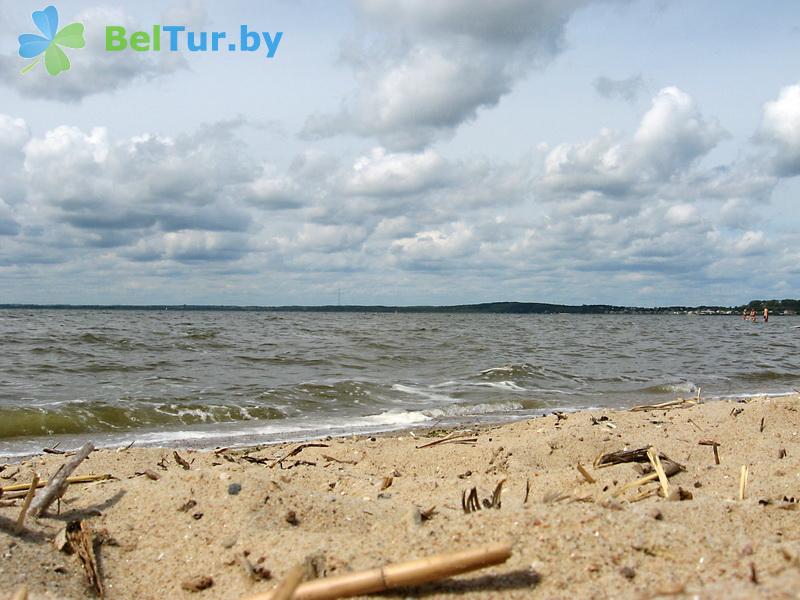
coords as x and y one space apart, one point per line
434 66
780 130
671 137
624 89
94 70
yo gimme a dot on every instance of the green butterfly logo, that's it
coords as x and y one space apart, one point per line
32 45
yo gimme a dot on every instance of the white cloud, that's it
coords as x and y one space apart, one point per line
780 128
438 64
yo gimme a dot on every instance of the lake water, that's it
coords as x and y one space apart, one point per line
207 378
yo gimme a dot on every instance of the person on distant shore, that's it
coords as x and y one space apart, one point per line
766 314
753 316
744 315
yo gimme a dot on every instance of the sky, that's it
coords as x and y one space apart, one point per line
630 152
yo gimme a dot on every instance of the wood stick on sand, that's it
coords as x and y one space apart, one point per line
662 477
58 482
582 470
21 593
743 482
288 585
392 576
26 503
714 445
24 487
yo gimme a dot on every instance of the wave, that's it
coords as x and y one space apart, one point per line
89 417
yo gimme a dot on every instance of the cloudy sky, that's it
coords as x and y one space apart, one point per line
639 152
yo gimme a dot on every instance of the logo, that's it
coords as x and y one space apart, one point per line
50 42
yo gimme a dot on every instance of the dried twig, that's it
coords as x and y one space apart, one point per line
714 445
662 477
582 470
21 593
455 437
26 503
287 586
181 461
57 483
679 403
339 460
79 537
10 491
394 576
743 481
470 502
527 491
297 450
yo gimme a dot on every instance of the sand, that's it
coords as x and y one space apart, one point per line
353 504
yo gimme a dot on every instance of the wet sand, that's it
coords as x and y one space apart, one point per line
355 504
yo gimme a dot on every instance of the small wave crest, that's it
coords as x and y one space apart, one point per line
88 417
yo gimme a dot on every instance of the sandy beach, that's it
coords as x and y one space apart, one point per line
243 518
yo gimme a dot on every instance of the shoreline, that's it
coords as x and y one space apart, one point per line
357 501
209 437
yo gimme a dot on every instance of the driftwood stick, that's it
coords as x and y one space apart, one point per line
662 477
58 482
393 576
454 436
743 482
582 470
679 403
289 583
21 593
24 487
27 503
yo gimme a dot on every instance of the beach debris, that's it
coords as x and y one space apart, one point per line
81 541
677 403
736 411
393 576
256 572
18 526
527 491
470 502
188 505
680 495
198 583
670 468
291 518
162 464
234 489
181 461
297 450
743 481
560 416
695 424
339 460
714 445
555 497
582 470
753 574
152 475
386 483
54 449
465 474
427 514
289 583
627 572
639 455
782 453
18 490
495 454
21 593
453 438
662 476
57 484
761 426
786 503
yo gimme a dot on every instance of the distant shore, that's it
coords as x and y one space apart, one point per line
357 502
786 307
